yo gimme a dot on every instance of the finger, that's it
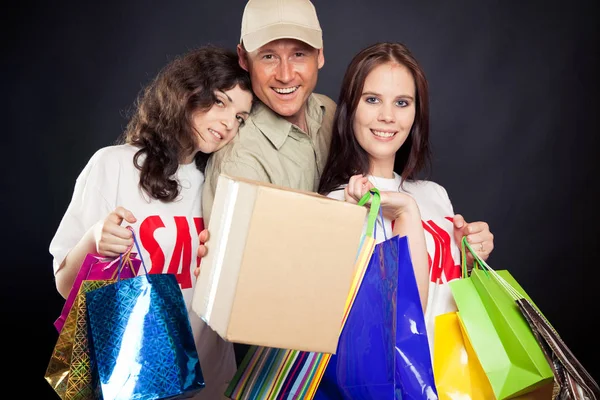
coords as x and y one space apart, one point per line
116 231
477 227
482 249
348 197
197 272
120 214
349 191
114 244
202 250
353 183
110 249
203 236
458 221
365 186
129 217
476 238
358 179
360 186
107 253
125 214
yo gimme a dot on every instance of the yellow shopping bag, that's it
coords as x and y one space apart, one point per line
457 371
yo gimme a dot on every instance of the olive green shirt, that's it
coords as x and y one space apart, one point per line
270 149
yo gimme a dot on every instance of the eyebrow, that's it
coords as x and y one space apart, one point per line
403 96
264 50
225 94
298 47
231 101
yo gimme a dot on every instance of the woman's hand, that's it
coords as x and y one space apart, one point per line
478 236
393 204
404 211
110 238
358 185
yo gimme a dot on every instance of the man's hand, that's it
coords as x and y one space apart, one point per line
202 249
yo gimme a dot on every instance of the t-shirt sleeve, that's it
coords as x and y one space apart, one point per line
88 205
337 194
445 199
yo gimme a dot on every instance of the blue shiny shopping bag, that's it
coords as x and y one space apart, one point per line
141 340
383 351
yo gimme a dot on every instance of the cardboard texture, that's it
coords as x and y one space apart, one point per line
279 266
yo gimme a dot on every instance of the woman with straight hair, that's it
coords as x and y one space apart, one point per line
381 139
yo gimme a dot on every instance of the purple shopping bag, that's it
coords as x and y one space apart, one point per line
96 267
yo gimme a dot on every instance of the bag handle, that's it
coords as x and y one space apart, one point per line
124 258
478 262
382 225
375 197
139 252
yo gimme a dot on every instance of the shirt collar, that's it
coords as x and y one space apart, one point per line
277 129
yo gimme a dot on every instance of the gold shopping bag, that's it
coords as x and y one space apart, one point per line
69 371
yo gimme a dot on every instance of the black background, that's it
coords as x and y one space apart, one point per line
514 102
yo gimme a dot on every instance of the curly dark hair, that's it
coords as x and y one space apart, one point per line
346 156
161 125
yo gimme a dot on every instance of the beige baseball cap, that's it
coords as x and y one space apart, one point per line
267 20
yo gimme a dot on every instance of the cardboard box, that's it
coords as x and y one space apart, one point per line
279 265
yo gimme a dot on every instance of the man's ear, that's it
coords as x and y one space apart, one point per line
321 58
242 56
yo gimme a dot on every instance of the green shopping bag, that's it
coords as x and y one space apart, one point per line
501 337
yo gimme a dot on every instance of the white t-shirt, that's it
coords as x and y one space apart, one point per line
444 255
167 234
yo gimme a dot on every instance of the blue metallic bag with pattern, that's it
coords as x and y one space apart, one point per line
141 342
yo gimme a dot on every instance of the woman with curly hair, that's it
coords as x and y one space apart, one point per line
153 181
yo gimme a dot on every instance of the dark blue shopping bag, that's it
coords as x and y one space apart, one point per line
383 351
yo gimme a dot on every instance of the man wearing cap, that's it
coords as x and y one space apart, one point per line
286 139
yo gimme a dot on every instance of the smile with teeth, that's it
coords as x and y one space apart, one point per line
215 134
286 90
383 134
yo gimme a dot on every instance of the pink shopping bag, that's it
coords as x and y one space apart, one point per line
96 267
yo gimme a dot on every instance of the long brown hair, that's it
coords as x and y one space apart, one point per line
346 156
162 123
